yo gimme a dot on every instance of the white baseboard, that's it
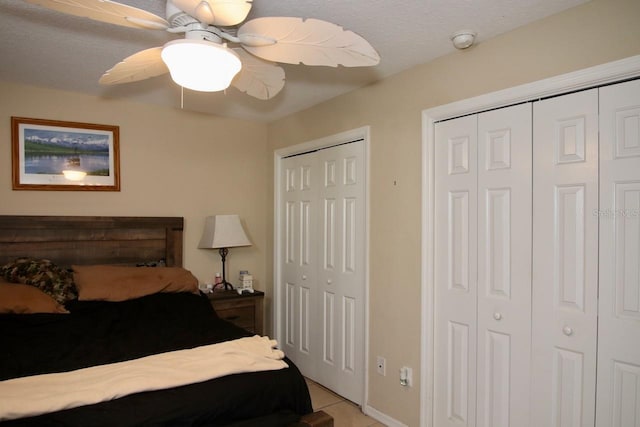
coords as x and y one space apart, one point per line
382 418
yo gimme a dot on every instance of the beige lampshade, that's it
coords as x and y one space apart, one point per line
223 231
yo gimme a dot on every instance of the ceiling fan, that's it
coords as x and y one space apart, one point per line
218 49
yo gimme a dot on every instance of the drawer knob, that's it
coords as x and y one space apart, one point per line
304 277
567 330
497 316
329 281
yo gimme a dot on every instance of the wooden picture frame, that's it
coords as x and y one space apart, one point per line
57 155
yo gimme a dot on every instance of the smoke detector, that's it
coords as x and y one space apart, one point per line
463 39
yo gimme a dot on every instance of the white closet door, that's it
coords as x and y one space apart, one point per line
619 309
322 293
504 266
455 272
341 271
565 260
299 260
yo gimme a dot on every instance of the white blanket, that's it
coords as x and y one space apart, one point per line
40 394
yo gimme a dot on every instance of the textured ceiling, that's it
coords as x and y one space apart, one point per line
48 49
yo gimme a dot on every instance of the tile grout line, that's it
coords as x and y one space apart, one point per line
331 404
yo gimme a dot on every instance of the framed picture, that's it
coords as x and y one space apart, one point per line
55 155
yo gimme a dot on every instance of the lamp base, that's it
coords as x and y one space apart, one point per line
225 285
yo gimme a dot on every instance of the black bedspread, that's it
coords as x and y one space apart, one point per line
105 332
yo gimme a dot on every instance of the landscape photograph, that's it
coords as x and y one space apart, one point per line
52 151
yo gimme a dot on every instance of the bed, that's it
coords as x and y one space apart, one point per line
121 331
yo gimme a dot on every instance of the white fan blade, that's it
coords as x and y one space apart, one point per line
216 12
258 78
310 42
139 66
106 11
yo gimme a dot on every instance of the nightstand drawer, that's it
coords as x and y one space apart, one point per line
243 310
240 316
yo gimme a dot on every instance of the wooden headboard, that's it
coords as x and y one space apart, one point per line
68 240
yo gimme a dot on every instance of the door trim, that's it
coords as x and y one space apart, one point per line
325 142
594 76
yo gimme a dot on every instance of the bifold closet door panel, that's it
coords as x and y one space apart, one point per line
455 272
341 269
565 260
504 267
619 306
298 289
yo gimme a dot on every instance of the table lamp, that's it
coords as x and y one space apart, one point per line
223 232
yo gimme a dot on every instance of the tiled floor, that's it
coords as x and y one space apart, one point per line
344 413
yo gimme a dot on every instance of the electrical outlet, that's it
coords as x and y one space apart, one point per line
406 376
381 363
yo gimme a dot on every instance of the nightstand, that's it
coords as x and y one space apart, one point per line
242 310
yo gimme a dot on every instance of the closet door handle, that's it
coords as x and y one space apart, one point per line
497 316
567 331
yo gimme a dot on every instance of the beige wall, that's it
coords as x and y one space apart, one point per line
173 163
595 33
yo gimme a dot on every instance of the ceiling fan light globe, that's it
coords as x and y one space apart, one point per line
201 65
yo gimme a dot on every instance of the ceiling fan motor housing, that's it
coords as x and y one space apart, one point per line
176 17
201 34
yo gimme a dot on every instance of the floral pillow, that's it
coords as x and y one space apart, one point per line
44 275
